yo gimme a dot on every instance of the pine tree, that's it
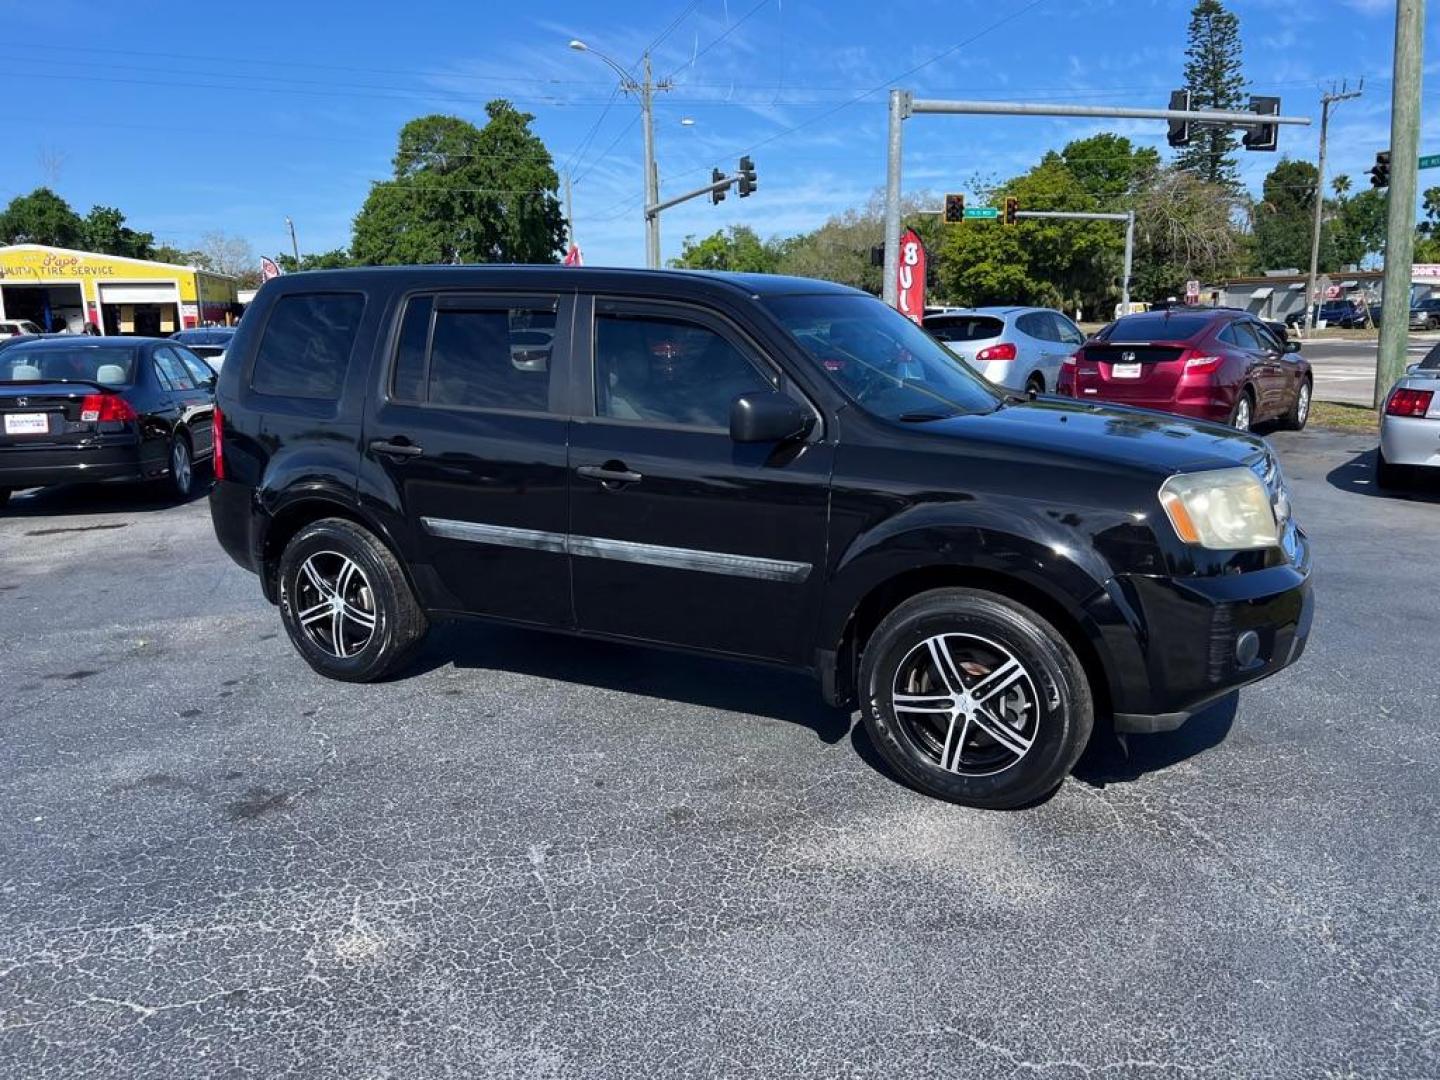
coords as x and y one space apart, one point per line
1215 79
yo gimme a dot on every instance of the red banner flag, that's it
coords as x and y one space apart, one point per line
910 276
268 268
573 256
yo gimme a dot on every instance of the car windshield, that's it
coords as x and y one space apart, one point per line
110 365
1155 326
882 360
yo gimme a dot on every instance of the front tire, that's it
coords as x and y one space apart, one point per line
975 699
1299 413
346 604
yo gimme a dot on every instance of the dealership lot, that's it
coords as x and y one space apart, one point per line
535 856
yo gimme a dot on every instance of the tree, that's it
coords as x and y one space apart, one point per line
1427 235
169 253
840 249
1184 229
1109 166
104 230
42 217
464 194
1359 225
336 259
223 254
1285 219
739 249
1215 79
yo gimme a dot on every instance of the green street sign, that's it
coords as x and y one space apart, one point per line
1427 161
984 213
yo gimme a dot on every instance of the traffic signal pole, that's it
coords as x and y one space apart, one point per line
903 105
1400 211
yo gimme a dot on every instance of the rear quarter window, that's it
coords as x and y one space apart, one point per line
305 349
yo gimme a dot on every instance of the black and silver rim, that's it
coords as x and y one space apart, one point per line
1242 414
1302 404
180 466
334 604
966 703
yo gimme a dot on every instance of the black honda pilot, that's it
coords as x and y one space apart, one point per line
770 468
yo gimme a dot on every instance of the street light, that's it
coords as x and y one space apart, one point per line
646 91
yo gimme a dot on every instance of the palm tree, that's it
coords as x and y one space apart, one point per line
1341 184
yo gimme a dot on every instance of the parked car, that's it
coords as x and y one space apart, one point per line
1217 364
754 466
17 328
1019 348
1410 424
208 343
1426 314
98 409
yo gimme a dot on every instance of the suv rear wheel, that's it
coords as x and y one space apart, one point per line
345 602
974 698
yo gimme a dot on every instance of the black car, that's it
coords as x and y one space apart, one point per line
769 468
1425 315
91 409
1346 314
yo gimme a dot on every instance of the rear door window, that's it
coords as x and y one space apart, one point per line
1036 324
306 346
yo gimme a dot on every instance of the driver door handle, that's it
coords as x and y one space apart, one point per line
396 449
608 475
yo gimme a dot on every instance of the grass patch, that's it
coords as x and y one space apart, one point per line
1344 417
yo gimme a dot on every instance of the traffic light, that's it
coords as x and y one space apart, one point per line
717 196
747 176
1266 136
954 209
1012 210
1380 173
1179 129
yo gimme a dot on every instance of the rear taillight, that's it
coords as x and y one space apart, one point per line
1071 360
1405 402
217 441
102 407
1004 351
1203 365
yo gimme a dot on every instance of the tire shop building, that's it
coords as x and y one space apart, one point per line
57 288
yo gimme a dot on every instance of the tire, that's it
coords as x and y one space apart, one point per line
4 495
1035 384
334 552
1242 416
1392 477
1046 711
182 468
1299 413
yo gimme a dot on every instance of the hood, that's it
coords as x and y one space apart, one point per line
1137 439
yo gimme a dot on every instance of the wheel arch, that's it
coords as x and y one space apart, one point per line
289 518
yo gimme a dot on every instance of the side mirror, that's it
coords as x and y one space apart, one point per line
1291 345
1410 369
767 416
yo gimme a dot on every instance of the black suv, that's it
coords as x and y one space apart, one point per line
762 467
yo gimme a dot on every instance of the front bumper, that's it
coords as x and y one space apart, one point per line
1202 638
42 466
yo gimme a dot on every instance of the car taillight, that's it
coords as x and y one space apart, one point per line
1071 360
217 442
1004 351
1405 402
1203 364
102 407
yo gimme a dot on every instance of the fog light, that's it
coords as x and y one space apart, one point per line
1247 648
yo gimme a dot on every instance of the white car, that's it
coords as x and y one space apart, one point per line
1410 426
1019 348
17 327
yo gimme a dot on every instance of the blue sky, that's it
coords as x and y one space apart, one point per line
192 117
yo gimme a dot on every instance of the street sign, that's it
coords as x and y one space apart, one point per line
985 213
1430 161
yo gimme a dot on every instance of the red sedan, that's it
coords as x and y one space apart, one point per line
1217 364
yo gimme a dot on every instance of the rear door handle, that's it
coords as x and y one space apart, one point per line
607 474
396 449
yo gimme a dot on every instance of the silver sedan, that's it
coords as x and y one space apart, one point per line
1410 426
1019 348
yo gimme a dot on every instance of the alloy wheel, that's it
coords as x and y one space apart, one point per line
966 703
334 604
1242 414
1302 405
180 468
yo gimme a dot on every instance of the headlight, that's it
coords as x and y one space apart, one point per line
1224 509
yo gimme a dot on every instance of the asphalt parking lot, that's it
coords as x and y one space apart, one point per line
540 857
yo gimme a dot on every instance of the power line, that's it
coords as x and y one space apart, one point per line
725 34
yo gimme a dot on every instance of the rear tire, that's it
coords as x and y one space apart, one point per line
1242 416
182 468
1299 413
1035 384
346 604
4 495
930 714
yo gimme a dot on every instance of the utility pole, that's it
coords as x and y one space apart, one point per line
1400 217
294 244
1334 96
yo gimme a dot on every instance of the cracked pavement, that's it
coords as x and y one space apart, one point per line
540 857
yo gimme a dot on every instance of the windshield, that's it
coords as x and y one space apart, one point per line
111 365
882 360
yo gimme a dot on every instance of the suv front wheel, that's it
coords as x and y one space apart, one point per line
974 698
345 602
